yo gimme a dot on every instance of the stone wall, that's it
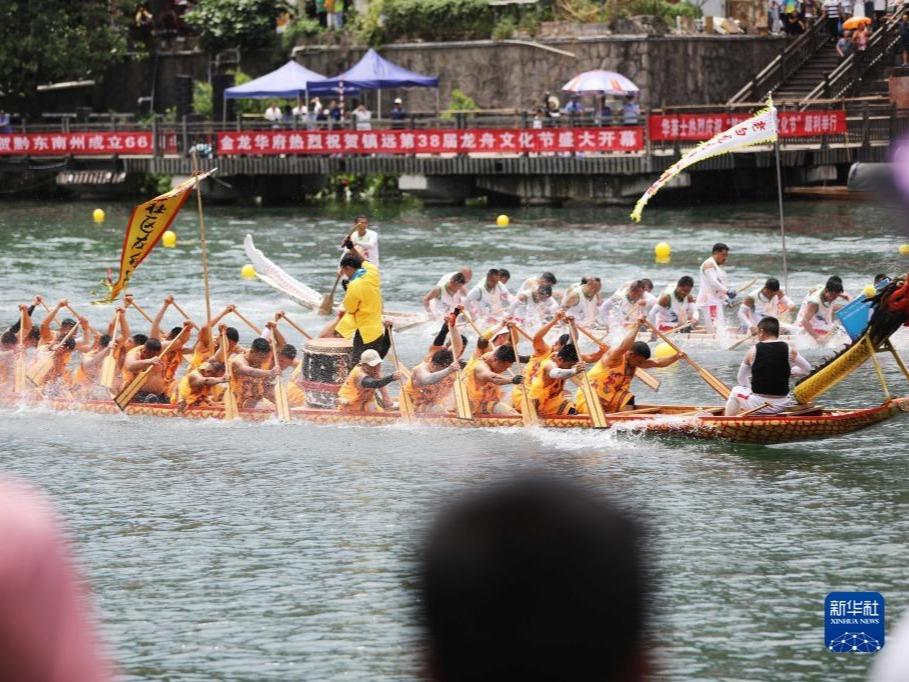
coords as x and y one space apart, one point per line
670 70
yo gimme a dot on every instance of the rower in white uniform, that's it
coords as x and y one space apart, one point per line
626 304
764 374
446 295
365 241
714 292
582 300
534 308
816 312
489 299
766 301
675 307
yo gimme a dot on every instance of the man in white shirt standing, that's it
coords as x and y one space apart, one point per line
273 113
365 241
714 291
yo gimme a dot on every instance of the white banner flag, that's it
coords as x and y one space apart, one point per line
759 129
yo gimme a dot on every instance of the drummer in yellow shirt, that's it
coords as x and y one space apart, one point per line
363 307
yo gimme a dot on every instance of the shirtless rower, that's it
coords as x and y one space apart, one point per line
205 346
9 352
195 388
48 336
815 316
582 301
764 373
358 392
714 292
485 378
547 390
431 383
611 376
445 297
57 382
489 298
250 373
675 307
627 303
766 301
155 389
87 377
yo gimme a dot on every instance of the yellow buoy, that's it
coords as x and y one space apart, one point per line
98 215
869 291
904 249
502 220
248 272
662 251
169 239
662 350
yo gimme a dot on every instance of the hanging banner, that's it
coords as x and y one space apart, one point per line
759 129
146 224
76 144
703 126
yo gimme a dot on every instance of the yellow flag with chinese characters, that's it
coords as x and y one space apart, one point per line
147 223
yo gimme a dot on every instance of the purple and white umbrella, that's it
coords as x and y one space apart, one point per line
601 83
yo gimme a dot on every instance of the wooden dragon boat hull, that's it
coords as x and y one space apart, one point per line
669 420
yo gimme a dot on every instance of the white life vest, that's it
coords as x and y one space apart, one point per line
708 293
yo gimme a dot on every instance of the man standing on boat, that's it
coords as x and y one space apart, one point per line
715 291
764 374
363 306
365 241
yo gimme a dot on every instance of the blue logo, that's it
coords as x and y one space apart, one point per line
854 622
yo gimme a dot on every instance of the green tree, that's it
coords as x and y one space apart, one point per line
58 40
246 24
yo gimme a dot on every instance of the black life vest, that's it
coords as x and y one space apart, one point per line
770 371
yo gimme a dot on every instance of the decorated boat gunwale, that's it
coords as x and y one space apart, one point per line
669 420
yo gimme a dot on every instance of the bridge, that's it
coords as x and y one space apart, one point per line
506 156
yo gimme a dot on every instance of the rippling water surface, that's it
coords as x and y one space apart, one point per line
286 552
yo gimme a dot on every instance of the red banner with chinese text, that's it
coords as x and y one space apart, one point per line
700 127
470 141
57 144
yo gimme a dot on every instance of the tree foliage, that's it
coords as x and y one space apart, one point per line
58 40
246 24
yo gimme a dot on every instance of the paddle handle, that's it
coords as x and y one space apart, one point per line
741 341
246 321
296 326
708 378
144 314
180 310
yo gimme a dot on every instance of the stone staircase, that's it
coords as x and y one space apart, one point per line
811 72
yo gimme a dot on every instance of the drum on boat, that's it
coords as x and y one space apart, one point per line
326 364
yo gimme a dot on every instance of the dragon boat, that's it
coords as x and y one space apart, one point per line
684 421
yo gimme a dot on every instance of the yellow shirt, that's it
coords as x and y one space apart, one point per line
363 304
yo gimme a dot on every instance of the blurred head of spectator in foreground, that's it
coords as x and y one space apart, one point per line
534 579
46 630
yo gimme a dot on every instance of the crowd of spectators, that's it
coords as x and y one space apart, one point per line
315 114
603 112
793 17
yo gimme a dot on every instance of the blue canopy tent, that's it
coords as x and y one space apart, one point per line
288 82
373 72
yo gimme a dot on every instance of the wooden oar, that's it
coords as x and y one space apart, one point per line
753 410
745 286
741 341
246 321
109 364
528 409
594 406
78 316
462 399
296 326
404 402
709 378
282 406
128 392
19 375
645 377
132 302
328 300
181 311
38 375
231 411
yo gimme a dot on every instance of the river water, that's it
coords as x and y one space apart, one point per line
254 552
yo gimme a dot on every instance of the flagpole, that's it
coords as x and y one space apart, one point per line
779 191
202 238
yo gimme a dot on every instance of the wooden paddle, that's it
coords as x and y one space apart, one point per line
528 409
282 406
745 286
132 302
181 311
231 411
38 375
404 402
741 341
709 378
462 399
328 300
645 377
109 364
246 321
594 406
295 326
128 392
19 375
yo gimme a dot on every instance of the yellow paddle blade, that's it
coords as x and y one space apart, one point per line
129 391
528 410
38 374
108 371
462 401
281 403
231 411
593 404
406 406
19 376
647 379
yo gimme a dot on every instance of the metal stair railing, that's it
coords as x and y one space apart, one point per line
845 77
787 62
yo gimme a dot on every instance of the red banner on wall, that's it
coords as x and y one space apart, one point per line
56 144
699 127
471 141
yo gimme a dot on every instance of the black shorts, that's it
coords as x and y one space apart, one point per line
380 345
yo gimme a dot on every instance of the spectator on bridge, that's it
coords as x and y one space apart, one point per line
809 11
335 113
774 9
315 111
334 14
880 9
605 114
537 123
832 11
844 45
860 40
551 106
630 111
398 114
299 112
793 26
273 113
5 126
574 108
846 7
363 117
904 38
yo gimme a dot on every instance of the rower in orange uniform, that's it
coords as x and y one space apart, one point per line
358 392
250 373
195 388
548 387
485 378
